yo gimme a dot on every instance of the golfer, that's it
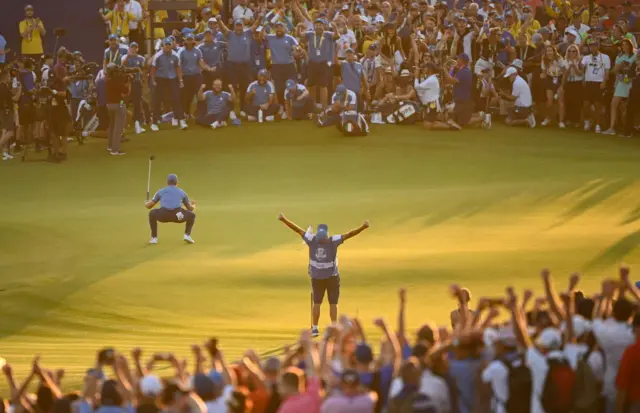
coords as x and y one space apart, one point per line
323 266
171 198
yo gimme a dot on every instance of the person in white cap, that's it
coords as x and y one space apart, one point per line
520 113
496 374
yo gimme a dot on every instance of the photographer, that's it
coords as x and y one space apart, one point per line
59 116
7 97
118 87
26 107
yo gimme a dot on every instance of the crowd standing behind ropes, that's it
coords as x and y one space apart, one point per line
566 351
444 64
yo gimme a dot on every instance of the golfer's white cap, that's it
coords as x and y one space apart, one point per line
151 386
511 71
212 20
550 338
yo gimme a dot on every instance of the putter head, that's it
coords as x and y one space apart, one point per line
151 158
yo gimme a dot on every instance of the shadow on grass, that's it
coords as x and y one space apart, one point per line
615 253
633 216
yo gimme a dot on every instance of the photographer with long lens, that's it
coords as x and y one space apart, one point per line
118 87
59 115
7 98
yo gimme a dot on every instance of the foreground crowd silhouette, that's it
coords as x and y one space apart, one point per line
566 351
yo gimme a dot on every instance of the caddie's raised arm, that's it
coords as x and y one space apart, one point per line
356 231
291 225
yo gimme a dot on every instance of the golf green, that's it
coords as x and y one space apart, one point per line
484 209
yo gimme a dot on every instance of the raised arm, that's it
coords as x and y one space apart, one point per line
555 304
401 333
518 321
395 345
356 231
624 277
291 225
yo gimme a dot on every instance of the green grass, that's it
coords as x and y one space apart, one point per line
484 209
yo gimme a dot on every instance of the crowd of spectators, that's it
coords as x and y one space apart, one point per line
563 352
447 64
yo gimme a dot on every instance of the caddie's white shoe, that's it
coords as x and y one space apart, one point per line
188 239
183 124
154 127
153 241
174 122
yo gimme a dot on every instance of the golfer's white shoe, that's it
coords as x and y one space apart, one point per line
153 241
174 122
139 129
188 239
183 124
154 127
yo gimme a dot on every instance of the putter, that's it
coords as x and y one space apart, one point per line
151 158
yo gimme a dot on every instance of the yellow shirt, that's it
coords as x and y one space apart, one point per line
120 22
515 29
31 44
158 33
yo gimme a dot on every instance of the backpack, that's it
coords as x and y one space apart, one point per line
406 113
586 392
557 393
412 403
520 384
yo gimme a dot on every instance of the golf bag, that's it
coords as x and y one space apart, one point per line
404 113
353 124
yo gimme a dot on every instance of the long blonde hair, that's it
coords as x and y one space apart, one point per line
572 47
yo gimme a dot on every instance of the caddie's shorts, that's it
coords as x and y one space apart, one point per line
330 285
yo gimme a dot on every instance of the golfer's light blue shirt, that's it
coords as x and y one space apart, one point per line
239 46
166 64
281 48
262 92
292 95
352 75
216 102
320 47
3 47
212 52
190 61
323 257
171 197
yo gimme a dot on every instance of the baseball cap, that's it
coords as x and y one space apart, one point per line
279 24
291 84
113 37
133 44
350 51
167 41
216 378
151 385
172 178
319 20
572 32
507 337
28 7
203 385
511 71
550 338
350 377
212 20
186 31
322 231
517 63
238 21
189 36
405 73
373 46
594 43
544 30
581 326
345 7
208 31
363 353
263 72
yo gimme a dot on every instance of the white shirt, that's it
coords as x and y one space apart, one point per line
344 42
595 67
241 12
613 337
539 367
575 352
431 385
429 90
497 374
522 92
134 8
584 29
219 405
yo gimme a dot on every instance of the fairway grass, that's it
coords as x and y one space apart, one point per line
484 209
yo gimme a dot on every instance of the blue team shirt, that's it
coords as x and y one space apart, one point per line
320 47
292 95
463 89
239 46
323 257
352 75
281 48
115 56
216 102
262 92
135 61
3 46
190 61
171 197
166 64
212 52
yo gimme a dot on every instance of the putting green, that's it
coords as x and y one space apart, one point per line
484 209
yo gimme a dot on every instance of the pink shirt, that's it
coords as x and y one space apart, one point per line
343 404
307 402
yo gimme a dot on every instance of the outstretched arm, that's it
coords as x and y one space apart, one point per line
291 225
356 231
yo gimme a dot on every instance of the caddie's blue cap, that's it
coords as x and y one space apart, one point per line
291 84
168 41
263 72
187 30
209 31
239 21
172 179
323 231
133 44
341 90
350 51
189 36
113 37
